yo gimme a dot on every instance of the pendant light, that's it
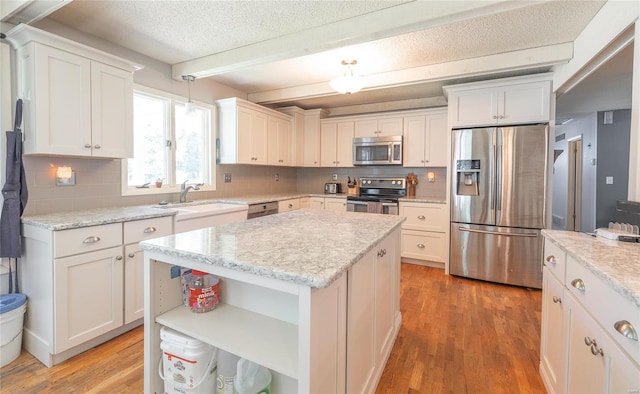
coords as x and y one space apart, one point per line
349 82
189 107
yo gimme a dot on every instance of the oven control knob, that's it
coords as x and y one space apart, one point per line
393 182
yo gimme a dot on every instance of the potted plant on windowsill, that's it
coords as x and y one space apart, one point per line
159 182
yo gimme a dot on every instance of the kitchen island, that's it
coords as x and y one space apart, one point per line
311 295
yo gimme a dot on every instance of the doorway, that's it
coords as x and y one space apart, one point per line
574 192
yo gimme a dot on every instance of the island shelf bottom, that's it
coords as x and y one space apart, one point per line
269 342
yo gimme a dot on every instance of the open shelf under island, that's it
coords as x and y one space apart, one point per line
311 295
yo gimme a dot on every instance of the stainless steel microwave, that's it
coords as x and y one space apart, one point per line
377 151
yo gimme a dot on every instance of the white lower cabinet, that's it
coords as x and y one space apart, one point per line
425 237
372 326
84 285
88 296
337 204
580 350
288 205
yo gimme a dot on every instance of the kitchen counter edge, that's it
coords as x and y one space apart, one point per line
617 263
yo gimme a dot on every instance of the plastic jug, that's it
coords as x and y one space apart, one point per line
252 378
227 365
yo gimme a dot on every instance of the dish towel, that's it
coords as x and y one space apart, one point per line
374 207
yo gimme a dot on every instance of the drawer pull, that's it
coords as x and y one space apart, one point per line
421 246
150 229
578 284
625 328
551 259
290 206
557 300
421 217
588 341
91 240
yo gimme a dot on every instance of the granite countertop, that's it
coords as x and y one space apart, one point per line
307 247
94 217
617 263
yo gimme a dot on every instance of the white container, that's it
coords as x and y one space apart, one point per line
188 365
252 378
227 366
12 307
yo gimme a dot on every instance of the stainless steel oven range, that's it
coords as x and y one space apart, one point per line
378 195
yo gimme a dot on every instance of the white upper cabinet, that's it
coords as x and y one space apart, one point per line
252 134
336 144
425 139
378 127
500 102
77 101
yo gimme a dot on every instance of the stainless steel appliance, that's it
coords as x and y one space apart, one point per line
262 209
377 151
498 203
378 195
332 188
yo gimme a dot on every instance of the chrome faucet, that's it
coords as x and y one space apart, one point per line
184 189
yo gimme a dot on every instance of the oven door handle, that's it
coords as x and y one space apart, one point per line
384 204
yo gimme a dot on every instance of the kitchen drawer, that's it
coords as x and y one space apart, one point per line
425 216
606 305
288 205
424 245
555 259
140 230
86 239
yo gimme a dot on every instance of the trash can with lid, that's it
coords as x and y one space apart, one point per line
12 309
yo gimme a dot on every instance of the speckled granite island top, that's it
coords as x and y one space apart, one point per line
617 263
94 217
307 247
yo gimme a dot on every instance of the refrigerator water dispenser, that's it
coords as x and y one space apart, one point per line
468 177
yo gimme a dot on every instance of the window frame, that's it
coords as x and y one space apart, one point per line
211 159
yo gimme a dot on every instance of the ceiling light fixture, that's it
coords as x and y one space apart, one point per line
349 82
189 107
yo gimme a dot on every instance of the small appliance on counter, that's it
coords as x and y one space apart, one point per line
333 188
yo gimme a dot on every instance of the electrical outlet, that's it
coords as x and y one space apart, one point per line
277 177
227 177
334 177
608 180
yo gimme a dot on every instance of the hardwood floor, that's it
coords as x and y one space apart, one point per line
458 336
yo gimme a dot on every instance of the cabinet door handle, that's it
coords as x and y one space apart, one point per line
495 116
557 300
150 229
588 341
626 329
88 146
118 258
578 284
595 350
421 217
131 255
290 206
96 146
551 259
501 117
421 246
91 240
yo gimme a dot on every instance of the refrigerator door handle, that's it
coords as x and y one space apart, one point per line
470 230
499 166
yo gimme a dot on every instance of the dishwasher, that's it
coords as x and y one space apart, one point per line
262 209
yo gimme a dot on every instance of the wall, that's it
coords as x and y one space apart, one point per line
312 180
98 185
613 161
584 126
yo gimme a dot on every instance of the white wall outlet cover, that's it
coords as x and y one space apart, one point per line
608 180
334 177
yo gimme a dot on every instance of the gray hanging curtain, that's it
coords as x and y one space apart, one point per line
14 192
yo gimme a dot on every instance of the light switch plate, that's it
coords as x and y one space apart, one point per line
227 177
334 177
608 180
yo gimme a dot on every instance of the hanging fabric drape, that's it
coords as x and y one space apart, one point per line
15 195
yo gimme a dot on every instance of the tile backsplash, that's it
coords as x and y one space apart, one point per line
98 183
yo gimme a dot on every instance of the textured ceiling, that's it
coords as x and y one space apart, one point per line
182 31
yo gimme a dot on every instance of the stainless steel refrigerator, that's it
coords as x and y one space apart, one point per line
498 203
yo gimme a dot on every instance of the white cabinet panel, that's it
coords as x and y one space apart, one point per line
425 232
288 205
378 127
86 239
425 140
336 144
553 342
88 291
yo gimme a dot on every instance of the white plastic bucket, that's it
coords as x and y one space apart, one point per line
188 365
13 307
